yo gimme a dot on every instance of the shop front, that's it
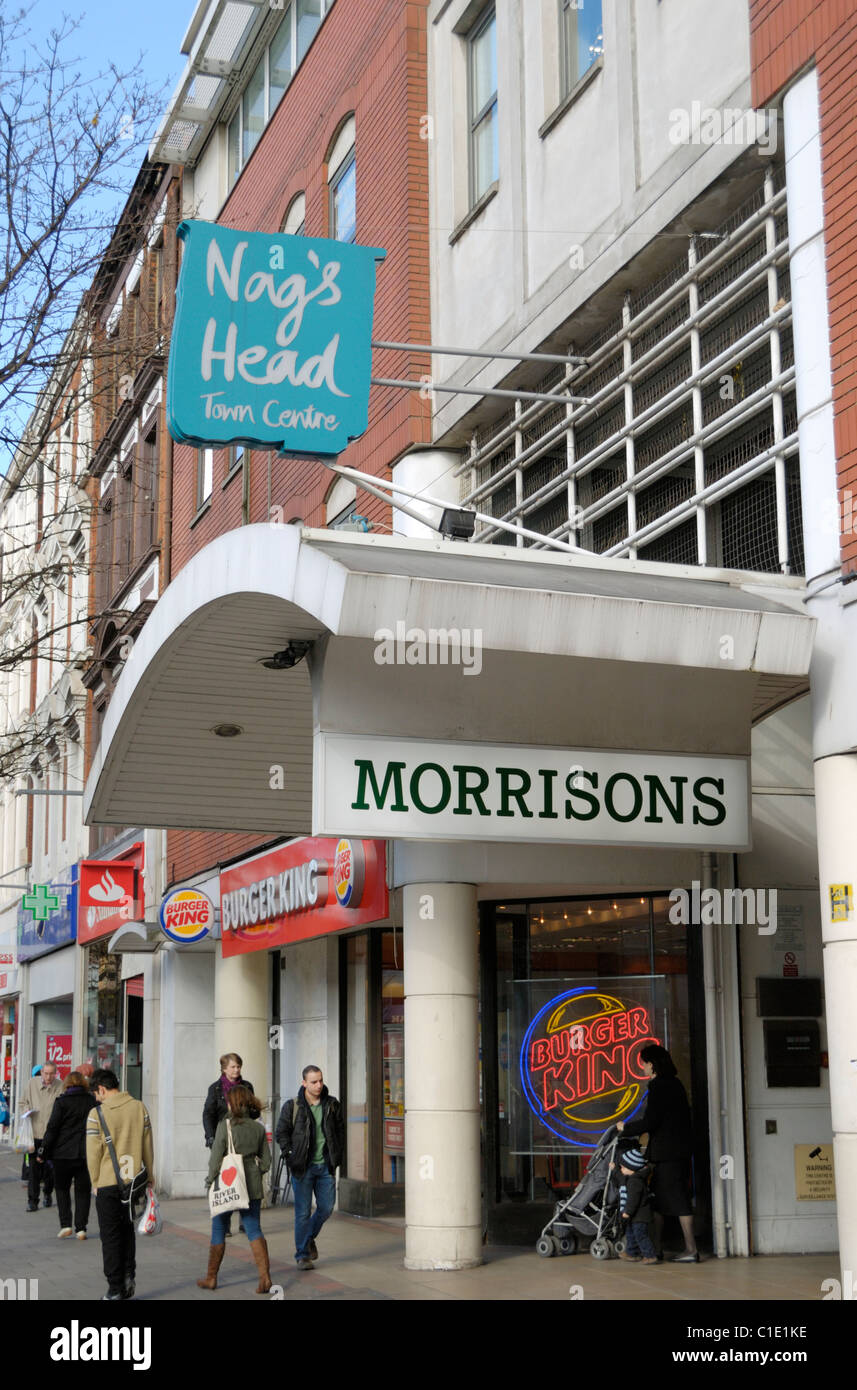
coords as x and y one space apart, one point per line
47 932
601 757
111 895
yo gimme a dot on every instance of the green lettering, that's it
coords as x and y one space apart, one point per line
656 786
610 805
367 773
592 779
464 791
446 788
548 775
509 793
719 808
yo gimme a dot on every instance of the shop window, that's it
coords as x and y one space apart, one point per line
581 40
103 1006
622 950
482 105
357 1077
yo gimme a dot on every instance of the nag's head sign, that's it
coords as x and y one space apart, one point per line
272 340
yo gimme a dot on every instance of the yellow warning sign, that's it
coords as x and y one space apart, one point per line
841 901
814 1173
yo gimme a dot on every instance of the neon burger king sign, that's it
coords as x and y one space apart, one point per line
580 1063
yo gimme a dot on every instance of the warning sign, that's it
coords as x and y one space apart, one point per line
790 967
841 901
814 1173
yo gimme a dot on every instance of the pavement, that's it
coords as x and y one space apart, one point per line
363 1260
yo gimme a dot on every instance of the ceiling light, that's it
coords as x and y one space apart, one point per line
227 730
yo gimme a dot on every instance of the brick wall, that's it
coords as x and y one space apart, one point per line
368 58
786 35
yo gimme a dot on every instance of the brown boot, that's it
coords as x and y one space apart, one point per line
215 1259
260 1255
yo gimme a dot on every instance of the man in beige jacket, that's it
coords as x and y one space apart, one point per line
38 1100
131 1131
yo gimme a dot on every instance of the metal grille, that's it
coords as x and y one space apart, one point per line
668 480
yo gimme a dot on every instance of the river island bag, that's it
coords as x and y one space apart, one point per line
228 1192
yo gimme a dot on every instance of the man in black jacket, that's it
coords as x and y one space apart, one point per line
311 1133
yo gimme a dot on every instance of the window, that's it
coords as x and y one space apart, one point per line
204 476
270 78
482 105
581 40
343 201
294 222
234 460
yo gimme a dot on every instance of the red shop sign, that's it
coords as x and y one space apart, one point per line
302 890
110 894
59 1052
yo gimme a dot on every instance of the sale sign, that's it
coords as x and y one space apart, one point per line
58 1051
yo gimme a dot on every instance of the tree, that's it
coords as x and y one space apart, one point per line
69 153
69 146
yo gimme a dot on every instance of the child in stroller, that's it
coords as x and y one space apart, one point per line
591 1215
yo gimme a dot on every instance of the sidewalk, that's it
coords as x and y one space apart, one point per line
362 1260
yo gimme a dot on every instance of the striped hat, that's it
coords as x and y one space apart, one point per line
633 1158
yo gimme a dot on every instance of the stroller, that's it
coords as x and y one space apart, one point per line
591 1214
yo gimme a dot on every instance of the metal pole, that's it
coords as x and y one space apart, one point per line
479 391
473 352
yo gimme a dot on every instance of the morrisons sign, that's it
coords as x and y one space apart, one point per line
414 789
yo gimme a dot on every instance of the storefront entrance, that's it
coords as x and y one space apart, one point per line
616 957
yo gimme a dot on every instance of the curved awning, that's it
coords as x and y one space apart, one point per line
617 653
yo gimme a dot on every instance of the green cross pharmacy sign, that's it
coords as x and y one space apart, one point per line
40 901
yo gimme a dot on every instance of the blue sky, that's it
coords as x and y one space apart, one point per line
119 31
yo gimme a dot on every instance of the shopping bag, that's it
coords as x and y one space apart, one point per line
228 1192
150 1223
24 1141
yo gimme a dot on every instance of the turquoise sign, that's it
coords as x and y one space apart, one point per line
271 344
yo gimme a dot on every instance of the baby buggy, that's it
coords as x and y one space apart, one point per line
590 1216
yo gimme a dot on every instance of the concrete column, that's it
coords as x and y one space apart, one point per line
834 670
241 1014
836 797
443 1204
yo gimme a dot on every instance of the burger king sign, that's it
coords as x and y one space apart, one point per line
580 1063
187 915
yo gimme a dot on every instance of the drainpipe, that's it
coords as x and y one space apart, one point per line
712 1049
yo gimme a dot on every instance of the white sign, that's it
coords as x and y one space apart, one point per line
415 789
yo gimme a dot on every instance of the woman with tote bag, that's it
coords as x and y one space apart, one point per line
240 1151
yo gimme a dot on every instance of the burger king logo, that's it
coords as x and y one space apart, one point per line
349 872
186 916
580 1063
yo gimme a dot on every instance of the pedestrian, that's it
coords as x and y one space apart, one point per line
635 1208
216 1109
666 1120
37 1101
249 1140
311 1133
127 1121
65 1147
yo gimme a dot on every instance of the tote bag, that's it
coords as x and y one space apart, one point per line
228 1192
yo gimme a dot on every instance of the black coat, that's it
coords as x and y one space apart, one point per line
296 1132
666 1120
216 1109
65 1136
635 1198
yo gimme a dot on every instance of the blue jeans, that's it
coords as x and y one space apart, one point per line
638 1241
252 1228
316 1180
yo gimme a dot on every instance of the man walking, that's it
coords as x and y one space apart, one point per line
311 1133
128 1124
38 1099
